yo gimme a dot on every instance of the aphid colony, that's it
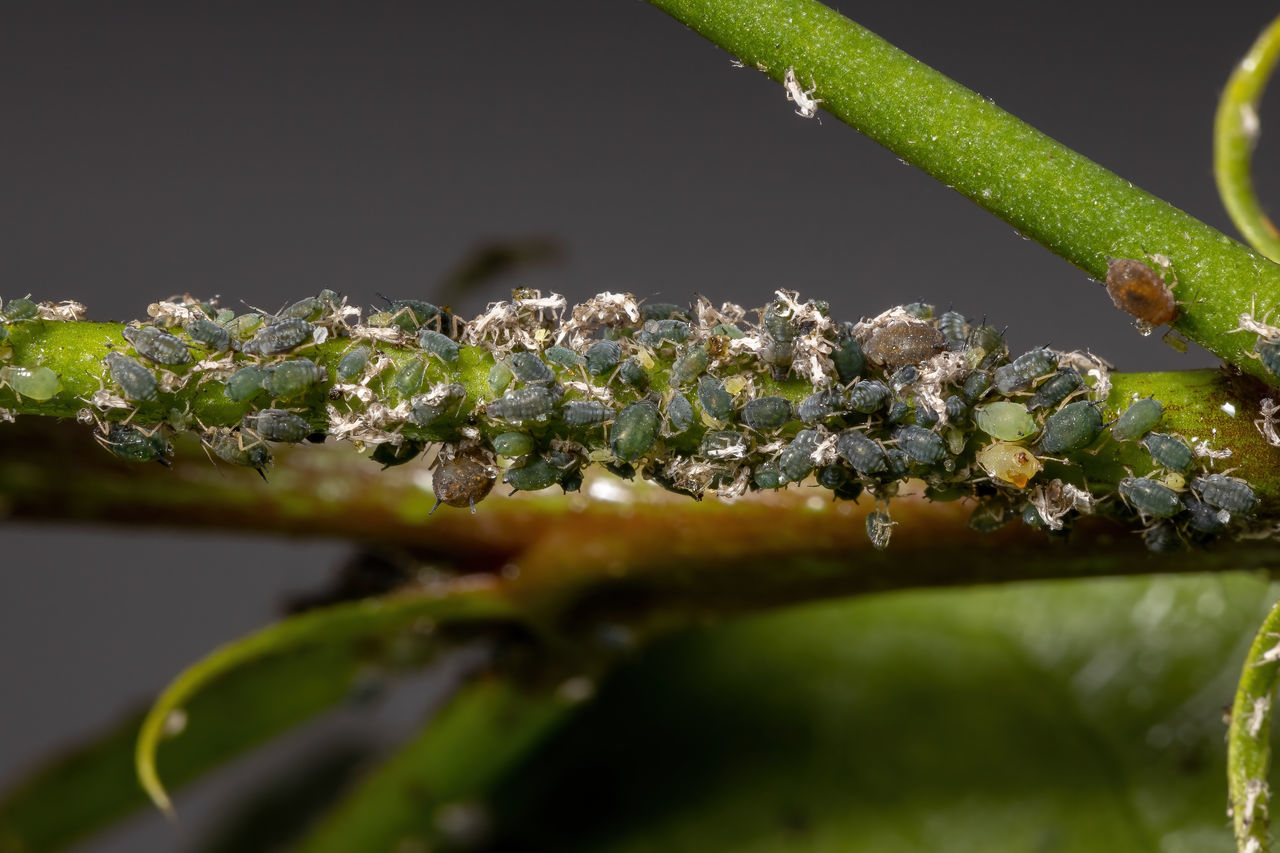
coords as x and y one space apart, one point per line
694 399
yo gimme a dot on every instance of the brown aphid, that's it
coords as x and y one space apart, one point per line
904 342
1139 291
461 481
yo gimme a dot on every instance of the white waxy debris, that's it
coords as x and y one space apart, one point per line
1266 424
737 487
806 104
1258 714
67 312
6 415
103 400
1088 364
363 393
1202 449
1053 500
384 334
174 313
1230 409
604 310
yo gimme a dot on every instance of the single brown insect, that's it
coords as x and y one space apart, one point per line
462 480
1139 291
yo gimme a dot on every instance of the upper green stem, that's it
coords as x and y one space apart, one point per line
1048 192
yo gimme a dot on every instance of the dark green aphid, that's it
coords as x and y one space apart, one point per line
311 308
462 481
500 377
1150 497
410 315
513 444
725 444
621 470
602 357
767 413
847 356
1025 369
864 454
975 385
1203 518
1137 420
796 459
564 357
868 396
410 375
1162 539
293 378
715 400
157 345
579 413
245 383
533 403
767 475
277 338
239 447
136 382
839 480
427 409
957 408
680 415
536 474
919 310
527 367
898 412
1168 451
353 363
655 332
899 464
820 405
134 444
662 311
778 324
1073 427
1235 496
1268 351
633 374
440 345
728 330
22 308
879 529
634 431
1031 517
925 416
990 516
277 425
204 331
955 328
243 327
904 376
1055 389
689 365
390 455
570 467
923 445
986 347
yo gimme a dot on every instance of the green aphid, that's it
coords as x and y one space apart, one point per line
767 475
409 377
136 382
634 431
528 367
245 384
767 413
22 308
715 399
38 383
440 345
293 378
157 345
796 459
633 374
728 330
1073 427
239 447
134 444
680 415
277 425
975 385
990 516
513 445
353 363
244 326
1140 418
1006 421
564 357
689 365
311 308
500 376
602 357
1150 497
1168 451
847 356
840 481
662 311
427 409
536 474
204 331
390 455
724 445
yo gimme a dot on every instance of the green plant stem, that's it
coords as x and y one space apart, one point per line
1249 739
1235 135
1053 195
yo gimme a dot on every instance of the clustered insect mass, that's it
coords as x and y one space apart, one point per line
694 398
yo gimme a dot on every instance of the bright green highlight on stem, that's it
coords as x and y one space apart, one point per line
349 622
1249 739
1235 134
1048 192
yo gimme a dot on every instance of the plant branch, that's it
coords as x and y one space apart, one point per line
1068 203
1249 740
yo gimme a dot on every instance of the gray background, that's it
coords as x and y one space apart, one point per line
263 152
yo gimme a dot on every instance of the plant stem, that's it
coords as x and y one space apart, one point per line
1249 739
1235 135
1053 195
